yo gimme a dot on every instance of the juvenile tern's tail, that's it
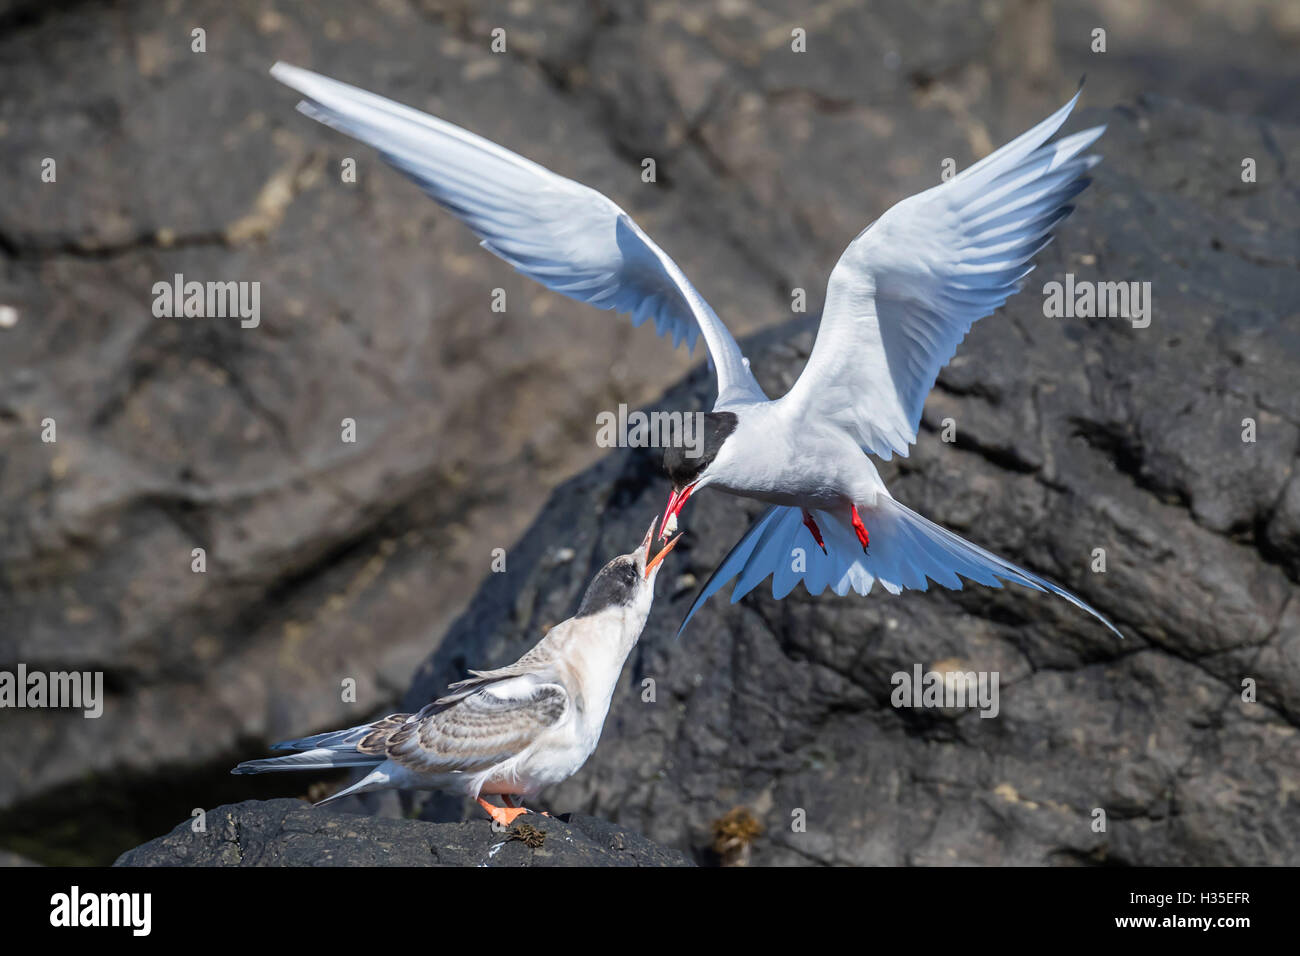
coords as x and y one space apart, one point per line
308 760
360 746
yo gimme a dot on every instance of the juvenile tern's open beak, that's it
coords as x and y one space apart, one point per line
649 538
654 562
675 503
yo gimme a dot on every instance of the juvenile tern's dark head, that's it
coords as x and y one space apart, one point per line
628 580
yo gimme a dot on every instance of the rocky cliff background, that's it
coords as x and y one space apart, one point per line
329 561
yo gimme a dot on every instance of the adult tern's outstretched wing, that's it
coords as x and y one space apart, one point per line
565 235
908 288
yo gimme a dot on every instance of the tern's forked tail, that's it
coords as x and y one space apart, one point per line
338 748
906 552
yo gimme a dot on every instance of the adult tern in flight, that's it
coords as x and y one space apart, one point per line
901 298
510 731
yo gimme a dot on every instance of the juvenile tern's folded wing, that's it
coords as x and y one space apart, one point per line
908 288
481 729
567 236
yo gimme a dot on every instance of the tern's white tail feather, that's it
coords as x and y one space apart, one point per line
906 551
377 779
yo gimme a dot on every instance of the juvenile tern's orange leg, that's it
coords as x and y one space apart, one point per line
502 815
510 802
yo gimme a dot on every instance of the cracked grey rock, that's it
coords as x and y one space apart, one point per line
329 561
290 833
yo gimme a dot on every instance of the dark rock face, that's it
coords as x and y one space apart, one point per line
1072 435
329 561
290 833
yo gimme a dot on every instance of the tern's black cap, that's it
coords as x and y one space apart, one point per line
682 468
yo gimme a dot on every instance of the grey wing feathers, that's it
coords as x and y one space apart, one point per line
343 740
483 720
533 662
479 727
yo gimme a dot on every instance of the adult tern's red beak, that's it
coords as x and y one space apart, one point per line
675 503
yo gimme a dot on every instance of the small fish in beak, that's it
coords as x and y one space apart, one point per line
676 501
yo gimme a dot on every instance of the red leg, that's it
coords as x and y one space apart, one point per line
508 800
811 525
861 530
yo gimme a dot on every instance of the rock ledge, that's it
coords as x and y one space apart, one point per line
292 833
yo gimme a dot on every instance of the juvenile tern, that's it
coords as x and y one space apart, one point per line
509 731
899 301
